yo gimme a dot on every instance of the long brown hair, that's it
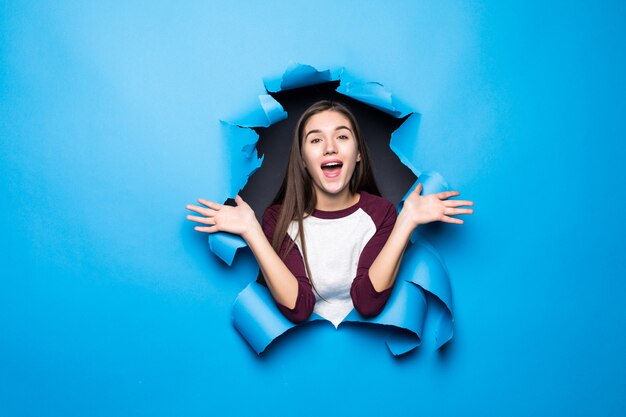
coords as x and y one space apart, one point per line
296 194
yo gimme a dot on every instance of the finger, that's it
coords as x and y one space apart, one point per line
455 211
418 189
447 194
206 229
447 219
210 204
201 210
203 220
457 203
238 200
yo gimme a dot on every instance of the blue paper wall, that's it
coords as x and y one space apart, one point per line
110 304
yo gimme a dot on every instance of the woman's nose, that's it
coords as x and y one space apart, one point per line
329 147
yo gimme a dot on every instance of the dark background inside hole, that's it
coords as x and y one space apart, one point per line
392 177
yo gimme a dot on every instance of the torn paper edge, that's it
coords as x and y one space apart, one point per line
255 314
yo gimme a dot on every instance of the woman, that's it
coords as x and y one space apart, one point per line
329 243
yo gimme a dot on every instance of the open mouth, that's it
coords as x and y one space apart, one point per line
332 169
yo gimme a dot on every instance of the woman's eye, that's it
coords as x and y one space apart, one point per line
315 140
343 137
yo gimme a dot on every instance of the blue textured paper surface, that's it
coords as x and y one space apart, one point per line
111 304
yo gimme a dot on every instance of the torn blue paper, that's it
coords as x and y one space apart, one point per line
257 318
422 266
241 141
255 314
264 114
259 321
244 160
298 75
373 94
402 141
225 245
405 311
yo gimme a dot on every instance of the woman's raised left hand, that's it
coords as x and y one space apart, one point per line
421 209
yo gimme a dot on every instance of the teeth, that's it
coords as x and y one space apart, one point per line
331 164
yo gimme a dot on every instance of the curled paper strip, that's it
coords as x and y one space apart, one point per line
267 112
423 267
225 245
373 94
298 75
255 314
257 318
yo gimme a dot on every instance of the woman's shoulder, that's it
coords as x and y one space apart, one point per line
272 212
375 201
379 208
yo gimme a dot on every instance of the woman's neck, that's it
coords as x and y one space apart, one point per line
327 202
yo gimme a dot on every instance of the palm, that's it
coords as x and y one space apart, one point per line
221 218
423 209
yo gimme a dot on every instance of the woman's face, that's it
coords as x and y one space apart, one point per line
330 153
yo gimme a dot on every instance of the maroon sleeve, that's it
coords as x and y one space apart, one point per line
367 301
294 262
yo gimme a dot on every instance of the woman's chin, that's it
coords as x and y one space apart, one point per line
334 190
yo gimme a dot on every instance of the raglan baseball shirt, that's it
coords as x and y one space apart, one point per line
341 247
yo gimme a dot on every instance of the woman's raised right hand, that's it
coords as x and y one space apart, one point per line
222 218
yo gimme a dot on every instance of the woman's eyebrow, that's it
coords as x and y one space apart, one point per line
319 131
343 127
312 131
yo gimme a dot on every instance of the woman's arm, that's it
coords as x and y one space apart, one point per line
417 210
287 290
